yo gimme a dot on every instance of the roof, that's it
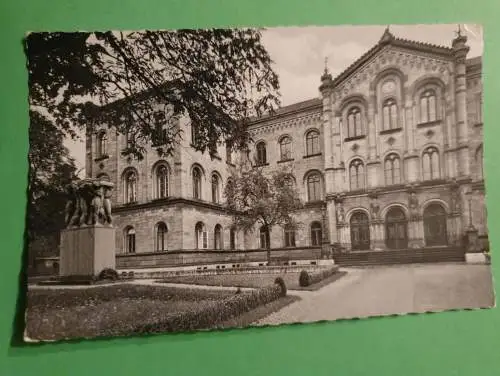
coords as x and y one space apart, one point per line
308 104
389 39
478 60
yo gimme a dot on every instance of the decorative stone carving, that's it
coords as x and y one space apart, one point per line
355 147
375 209
391 140
429 133
413 205
89 203
455 204
340 213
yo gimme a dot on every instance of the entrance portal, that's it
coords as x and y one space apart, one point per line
435 225
396 229
360 231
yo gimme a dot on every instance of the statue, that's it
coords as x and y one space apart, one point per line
89 203
375 208
340 214
413 204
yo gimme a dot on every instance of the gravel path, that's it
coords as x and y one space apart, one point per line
392 290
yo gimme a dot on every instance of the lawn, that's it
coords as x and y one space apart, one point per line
54 314
248 280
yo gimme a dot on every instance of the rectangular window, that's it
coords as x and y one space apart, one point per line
289 238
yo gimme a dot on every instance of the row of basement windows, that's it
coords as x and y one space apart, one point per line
202 242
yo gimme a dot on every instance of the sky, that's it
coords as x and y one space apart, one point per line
299 55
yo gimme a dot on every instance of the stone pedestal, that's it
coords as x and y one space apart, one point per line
86 251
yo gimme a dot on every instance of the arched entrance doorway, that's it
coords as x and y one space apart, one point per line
396 229
360 231
435 225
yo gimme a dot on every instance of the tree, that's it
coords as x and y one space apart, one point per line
137 81
51 169
268 200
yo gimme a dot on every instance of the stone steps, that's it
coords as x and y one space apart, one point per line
404 256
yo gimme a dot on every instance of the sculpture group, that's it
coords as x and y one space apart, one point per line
89 203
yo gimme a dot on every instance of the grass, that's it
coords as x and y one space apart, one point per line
55 314
249 280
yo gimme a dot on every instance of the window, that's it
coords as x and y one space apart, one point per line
195 134
102 140
354 123
316 234
357 174
218 237
215 188
161 237
261 154
130 187
265 241
232 238
161 181
286 148
428 106
160 133
480 162
129 138
314 187
130 240
289 237
196 183
392 168
390 112
312 143
430 164
201 236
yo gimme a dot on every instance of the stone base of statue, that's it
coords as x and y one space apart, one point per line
85 251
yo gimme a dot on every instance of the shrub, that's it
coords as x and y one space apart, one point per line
307 279
108 273
281 283
304 279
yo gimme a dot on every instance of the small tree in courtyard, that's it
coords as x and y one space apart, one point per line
258 199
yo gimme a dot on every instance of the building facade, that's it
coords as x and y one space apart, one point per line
389 156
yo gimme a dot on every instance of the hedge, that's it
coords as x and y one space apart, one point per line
214 313
307 279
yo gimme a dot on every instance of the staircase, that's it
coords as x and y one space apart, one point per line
401 256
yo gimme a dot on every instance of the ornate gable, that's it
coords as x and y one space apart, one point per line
392 52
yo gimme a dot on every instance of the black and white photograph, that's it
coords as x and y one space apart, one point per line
202 179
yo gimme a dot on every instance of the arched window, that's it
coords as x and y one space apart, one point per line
215 188
312 143
161 237
428 106
286 148
218 237
232 238
390 111
129 138
360 231
354 123
392 168
261 153
195 134
314 187
480 162
289 236
129 240
430 164
434 218
229 153
316 234
102 140
161 177
357 174
196 183
265 240
130 187
201 236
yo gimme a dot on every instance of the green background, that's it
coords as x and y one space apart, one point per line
452 343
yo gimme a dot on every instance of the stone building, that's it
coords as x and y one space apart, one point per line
388 157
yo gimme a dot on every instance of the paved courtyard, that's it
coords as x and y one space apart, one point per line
376 291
